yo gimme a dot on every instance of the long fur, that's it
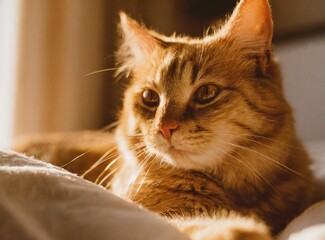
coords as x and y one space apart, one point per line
232 168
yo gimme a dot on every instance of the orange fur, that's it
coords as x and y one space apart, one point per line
230 168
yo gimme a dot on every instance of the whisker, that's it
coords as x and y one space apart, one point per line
138 171
250 140
110 127
272 160
102 159
145 176
253 170
76 158
100 71
106 168
142 181
270 139
138 154
107 176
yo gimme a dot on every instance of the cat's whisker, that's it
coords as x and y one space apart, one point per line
108 176
280 165
100 71
114 177
138 171
142 180
103 158
109 127
262 144
76 158
255 172
138 155
266 138
106 169
108 158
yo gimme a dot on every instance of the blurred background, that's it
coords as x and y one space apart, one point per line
47 48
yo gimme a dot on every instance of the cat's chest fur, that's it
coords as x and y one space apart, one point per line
171 191
174 192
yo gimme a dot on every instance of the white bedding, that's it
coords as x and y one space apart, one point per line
41 201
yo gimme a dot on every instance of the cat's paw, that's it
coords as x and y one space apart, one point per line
231 234
225 228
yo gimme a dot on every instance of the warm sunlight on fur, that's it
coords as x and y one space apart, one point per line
212 107
206 137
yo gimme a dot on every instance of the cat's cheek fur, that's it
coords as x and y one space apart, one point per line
243 147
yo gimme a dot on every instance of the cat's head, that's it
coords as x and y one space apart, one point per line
194 101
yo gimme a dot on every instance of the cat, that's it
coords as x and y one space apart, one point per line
205 136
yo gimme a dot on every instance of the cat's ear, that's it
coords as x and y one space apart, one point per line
137 43
251 22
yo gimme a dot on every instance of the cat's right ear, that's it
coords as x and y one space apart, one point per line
137 43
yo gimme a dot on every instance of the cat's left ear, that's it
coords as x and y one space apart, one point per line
137 43
251 23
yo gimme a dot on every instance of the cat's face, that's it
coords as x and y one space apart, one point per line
194 102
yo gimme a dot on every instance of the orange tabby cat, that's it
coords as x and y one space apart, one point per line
206 137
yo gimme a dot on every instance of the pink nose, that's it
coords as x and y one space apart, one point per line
167 129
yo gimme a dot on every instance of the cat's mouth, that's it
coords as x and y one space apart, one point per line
173 151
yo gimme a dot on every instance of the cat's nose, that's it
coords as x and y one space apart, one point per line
167 128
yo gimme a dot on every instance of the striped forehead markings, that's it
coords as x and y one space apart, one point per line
179 67
195 72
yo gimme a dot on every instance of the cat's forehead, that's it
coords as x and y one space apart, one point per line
177 66
174 76
182 68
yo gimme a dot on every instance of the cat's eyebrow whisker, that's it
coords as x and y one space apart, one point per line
280 165
100 71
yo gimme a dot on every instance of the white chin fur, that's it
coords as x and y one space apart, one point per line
190 161
188 155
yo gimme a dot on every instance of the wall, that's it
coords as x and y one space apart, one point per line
303 68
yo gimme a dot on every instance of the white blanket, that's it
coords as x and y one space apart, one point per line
41 201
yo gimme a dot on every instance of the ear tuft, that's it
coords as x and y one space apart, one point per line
137 43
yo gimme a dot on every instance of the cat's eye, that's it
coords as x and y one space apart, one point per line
150 98
206 94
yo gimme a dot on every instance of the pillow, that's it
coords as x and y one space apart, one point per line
41 201
310 225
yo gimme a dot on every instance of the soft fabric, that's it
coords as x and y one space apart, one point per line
40 201
310 225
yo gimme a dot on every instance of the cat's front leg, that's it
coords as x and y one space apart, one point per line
223 228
